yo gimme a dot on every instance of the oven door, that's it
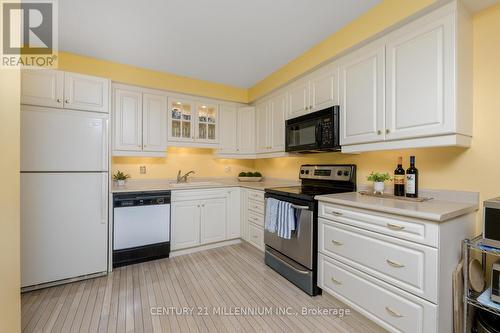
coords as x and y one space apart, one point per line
303 136
300 247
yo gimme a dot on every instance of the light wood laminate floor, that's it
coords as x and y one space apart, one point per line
215 284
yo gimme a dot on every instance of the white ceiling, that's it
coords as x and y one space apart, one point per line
235 42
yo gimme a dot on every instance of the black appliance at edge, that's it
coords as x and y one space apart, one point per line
296 258
314 132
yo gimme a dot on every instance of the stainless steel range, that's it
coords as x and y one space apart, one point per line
296 258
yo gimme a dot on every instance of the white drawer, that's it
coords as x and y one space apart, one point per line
199 194
401 227
255 218
256 206
394 309
256 236
410 266
256 195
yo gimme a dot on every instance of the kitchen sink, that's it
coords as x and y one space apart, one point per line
194 184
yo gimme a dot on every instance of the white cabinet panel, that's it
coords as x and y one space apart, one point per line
213 220
127 120
362 95
298 99
43 87
262 120
420 66
256 236
63 226
246 130
185 224
154 122
84 92
324 85
228 131
233 229
63 140
276 123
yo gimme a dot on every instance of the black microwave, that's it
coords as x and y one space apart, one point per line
314 132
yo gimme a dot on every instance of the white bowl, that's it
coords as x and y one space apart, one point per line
249 179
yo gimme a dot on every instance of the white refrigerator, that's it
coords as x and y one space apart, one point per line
64 194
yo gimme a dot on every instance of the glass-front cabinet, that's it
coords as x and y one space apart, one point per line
193 122
207 122
181 120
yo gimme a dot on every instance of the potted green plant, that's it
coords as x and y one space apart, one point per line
250 176
120 178
378 180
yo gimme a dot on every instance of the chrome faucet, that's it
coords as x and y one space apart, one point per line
183 179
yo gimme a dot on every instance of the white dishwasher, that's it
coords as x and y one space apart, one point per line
141 227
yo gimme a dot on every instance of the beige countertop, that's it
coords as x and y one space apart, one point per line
445 205
197 183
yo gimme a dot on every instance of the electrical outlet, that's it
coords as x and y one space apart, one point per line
227 169
142 169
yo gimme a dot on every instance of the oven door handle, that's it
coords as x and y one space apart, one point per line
300 207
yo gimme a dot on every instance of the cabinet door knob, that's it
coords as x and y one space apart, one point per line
58 100
379 132
310 107
66 101
387 131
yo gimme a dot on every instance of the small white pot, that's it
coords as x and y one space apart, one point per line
120 182
378 187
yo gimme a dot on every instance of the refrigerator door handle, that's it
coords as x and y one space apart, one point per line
104 199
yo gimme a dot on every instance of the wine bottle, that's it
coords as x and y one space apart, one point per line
412 179
399 179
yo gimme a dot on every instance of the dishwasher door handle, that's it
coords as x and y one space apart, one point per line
300 207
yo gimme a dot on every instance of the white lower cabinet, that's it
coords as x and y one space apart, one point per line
252 207
204 216
396 270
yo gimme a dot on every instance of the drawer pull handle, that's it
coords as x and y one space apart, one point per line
336 281
393 313
394 264
335 213
334 242
394 226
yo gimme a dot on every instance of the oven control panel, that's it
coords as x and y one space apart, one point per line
327 172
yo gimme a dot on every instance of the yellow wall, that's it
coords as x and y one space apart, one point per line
148 78
472 169
203 161
374 21
9 201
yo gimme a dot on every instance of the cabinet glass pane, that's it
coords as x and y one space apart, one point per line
202 131
186 129
211 131
207 114
176 128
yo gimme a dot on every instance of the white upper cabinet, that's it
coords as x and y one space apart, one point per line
276 123
206 119
53 88
271 124
362 95
420 77
154 122
246 130
127 119
228 133
180 120
298 98
324 87
140 122
427 100
261 116
44 87
84 92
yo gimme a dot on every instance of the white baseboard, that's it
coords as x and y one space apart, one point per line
181 252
